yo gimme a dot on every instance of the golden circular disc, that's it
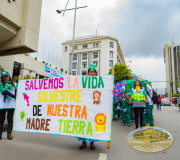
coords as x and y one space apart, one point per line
150 139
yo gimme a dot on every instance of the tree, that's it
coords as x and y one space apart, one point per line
174 95
29 77
121 72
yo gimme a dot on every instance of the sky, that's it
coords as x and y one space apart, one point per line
142 28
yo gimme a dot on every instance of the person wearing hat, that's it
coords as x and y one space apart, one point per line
138 107
91 72
7 102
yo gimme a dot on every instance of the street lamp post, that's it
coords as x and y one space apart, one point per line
59 12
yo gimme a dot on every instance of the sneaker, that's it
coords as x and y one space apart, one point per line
83 145
92 146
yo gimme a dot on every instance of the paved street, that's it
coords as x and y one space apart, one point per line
44 147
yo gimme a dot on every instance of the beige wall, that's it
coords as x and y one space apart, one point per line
7 63
103 49
20 20
29 66
169 60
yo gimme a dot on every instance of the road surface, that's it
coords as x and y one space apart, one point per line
27 146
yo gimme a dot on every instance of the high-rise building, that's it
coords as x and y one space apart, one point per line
172 65
104 51
19 26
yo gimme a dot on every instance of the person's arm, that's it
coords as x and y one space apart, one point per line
149 90
6 92
131 93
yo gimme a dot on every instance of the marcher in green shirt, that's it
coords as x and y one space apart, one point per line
138 106
7 102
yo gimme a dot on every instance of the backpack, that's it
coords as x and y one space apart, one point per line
154 97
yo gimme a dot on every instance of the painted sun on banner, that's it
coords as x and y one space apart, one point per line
78 106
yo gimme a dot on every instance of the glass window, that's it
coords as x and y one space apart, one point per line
95 45
84 64
73 72
74 65
65 49
84 73
111 54
110 63
75 47
74 57
95 55
84 56
85 46
96 63
111 45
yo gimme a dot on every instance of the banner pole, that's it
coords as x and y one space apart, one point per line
109 142
13 132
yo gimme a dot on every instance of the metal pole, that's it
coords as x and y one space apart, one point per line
74 27
65 7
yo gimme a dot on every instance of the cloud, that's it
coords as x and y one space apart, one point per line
56 29
144 27
150 69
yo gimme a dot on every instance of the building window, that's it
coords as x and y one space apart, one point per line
74 65
74 57
111 45
118 61
96 63
85 46
75 47
111 54
95 55
110 63
65 49
95 45
84 72
84 56
73 72
84 64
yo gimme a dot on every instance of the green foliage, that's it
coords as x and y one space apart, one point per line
25 54
174 95
29 77
121 72
166 94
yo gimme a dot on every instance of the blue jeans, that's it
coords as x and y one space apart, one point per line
158 105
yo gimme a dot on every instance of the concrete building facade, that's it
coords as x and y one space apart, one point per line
104 51
22 65
19 26
172 66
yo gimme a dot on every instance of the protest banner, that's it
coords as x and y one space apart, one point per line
78 106
51 72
